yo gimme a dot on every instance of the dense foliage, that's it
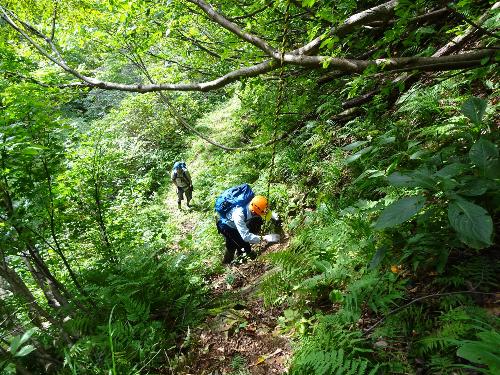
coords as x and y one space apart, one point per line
384 170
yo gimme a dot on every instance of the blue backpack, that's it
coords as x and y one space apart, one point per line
237 196
179 164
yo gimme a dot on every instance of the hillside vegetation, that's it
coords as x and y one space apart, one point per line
371 126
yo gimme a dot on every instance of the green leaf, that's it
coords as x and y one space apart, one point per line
492 169
384 140
400 211
25 350
485 60
27 335
451 170
418 154
484 154
358 154
472 223
474 186
335 295
376 174
354 145
377 258
15 344
308 3
474 109
32 150
413 179
326 42
412 144
483 352
400 180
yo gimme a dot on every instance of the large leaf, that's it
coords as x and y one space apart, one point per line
401 180
420 178
483 153
377 258
418 154
358 154
385 140
17 341
483 352
27 335
451 170
354 145
474 186
474 109
400 211
472 223
25 350
15 344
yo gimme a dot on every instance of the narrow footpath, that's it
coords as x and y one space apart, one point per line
240 336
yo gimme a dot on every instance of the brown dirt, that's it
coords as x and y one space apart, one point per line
244 337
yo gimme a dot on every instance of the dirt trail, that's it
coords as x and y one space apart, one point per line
242 337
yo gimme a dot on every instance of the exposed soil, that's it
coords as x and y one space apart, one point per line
242 337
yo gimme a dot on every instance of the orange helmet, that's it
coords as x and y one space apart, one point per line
259 205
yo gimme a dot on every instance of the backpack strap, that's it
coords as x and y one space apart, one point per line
245 209
183 176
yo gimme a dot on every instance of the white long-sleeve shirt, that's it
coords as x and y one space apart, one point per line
236 219
182 179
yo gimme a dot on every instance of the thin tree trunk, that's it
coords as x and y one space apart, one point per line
51 292
96 176
17 286
35 263
58 249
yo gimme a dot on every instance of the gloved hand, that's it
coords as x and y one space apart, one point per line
272 237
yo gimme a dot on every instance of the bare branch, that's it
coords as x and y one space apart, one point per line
54 17
472 23
250 15
460 40
235 29
365 17
292 58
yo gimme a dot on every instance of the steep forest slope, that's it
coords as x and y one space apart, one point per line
372 127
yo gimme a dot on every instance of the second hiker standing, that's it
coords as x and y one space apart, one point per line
182 180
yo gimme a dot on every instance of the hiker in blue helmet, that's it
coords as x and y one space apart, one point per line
182 180
241 224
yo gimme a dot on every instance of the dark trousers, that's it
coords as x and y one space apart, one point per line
184 190
234 242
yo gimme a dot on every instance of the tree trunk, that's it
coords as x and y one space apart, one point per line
17 286
49 288
96 179
58 248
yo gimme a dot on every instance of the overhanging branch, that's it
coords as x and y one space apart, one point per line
348 66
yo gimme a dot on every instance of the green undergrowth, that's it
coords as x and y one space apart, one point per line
395 266
391 218
392 259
